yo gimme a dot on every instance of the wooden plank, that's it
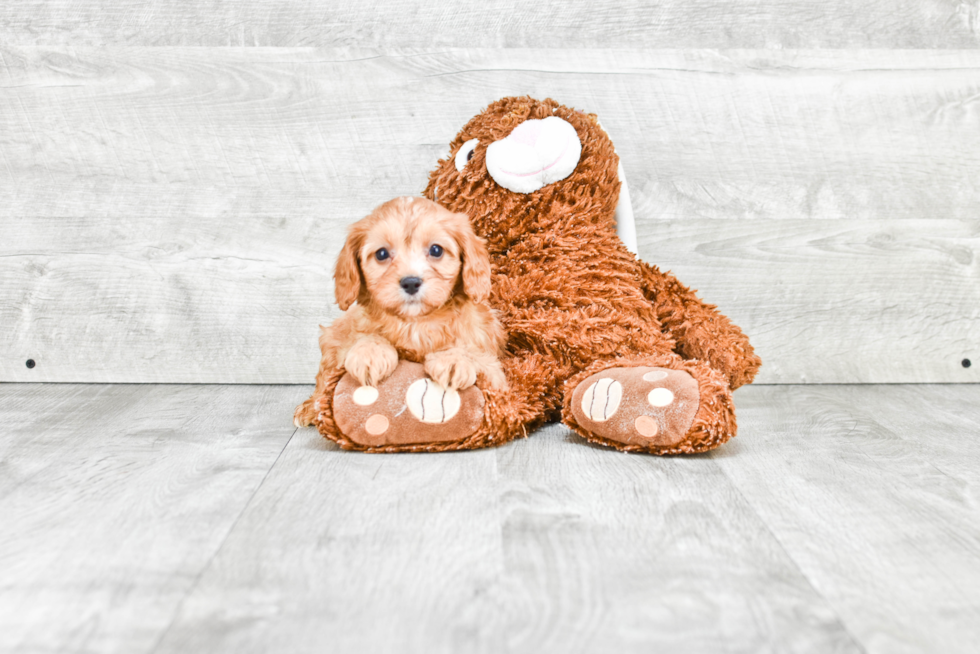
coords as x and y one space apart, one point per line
151 197
824 301
498 23
605 551
843 518
862 489
838 301
363 552
543 545
273 133
939 424
176 301
114 499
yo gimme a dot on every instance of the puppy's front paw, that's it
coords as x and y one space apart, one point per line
451 368
371 360
495 376
305 414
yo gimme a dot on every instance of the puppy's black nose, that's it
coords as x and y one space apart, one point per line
411 284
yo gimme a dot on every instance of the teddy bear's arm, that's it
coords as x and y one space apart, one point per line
700 330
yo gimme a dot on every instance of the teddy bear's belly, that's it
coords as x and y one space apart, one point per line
575 304
583 335
561 322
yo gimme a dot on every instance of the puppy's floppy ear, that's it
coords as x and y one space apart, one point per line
347 277
476 260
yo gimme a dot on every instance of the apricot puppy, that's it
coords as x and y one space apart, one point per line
412 278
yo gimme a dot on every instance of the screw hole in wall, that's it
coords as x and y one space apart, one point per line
30 363
966 363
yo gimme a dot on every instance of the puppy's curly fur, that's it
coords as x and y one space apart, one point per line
420 279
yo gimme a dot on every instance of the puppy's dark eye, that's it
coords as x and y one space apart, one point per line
435 251
470 155
381 254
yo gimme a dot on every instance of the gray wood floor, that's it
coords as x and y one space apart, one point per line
162 518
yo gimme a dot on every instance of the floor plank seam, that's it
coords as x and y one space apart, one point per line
796 565
217 550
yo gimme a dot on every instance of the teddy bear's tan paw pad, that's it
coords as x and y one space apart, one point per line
407 408
637 406
431 402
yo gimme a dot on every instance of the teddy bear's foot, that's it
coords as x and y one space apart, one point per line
645 407
407 411
661 404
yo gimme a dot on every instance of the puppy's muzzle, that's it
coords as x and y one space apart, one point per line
411 285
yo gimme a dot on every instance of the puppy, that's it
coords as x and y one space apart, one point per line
420 278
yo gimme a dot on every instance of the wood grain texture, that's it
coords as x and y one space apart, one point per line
873 492
170 518
498 23
245 132
173 214
838 301
621 553
359 551
114 499
548 545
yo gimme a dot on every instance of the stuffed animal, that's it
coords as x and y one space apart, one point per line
620 351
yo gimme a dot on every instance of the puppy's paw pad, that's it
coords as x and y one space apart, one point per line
405 410
637 406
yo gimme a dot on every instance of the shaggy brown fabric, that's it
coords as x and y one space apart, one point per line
699 330
568 289
574 300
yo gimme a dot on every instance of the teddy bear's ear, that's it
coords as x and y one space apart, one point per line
476 260
625 225
347 276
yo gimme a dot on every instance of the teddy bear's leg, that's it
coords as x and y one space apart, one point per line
699 330
409 412
661 404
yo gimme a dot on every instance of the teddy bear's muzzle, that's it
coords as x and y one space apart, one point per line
536 153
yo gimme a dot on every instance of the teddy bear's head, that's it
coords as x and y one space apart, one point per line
526 165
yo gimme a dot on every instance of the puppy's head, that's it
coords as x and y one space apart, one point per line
410 256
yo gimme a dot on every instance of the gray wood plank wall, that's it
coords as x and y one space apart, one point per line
498 23
171 214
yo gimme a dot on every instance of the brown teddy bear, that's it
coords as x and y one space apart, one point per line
623 353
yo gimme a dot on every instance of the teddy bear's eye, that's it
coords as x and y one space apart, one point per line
465 153
435 251
381 254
